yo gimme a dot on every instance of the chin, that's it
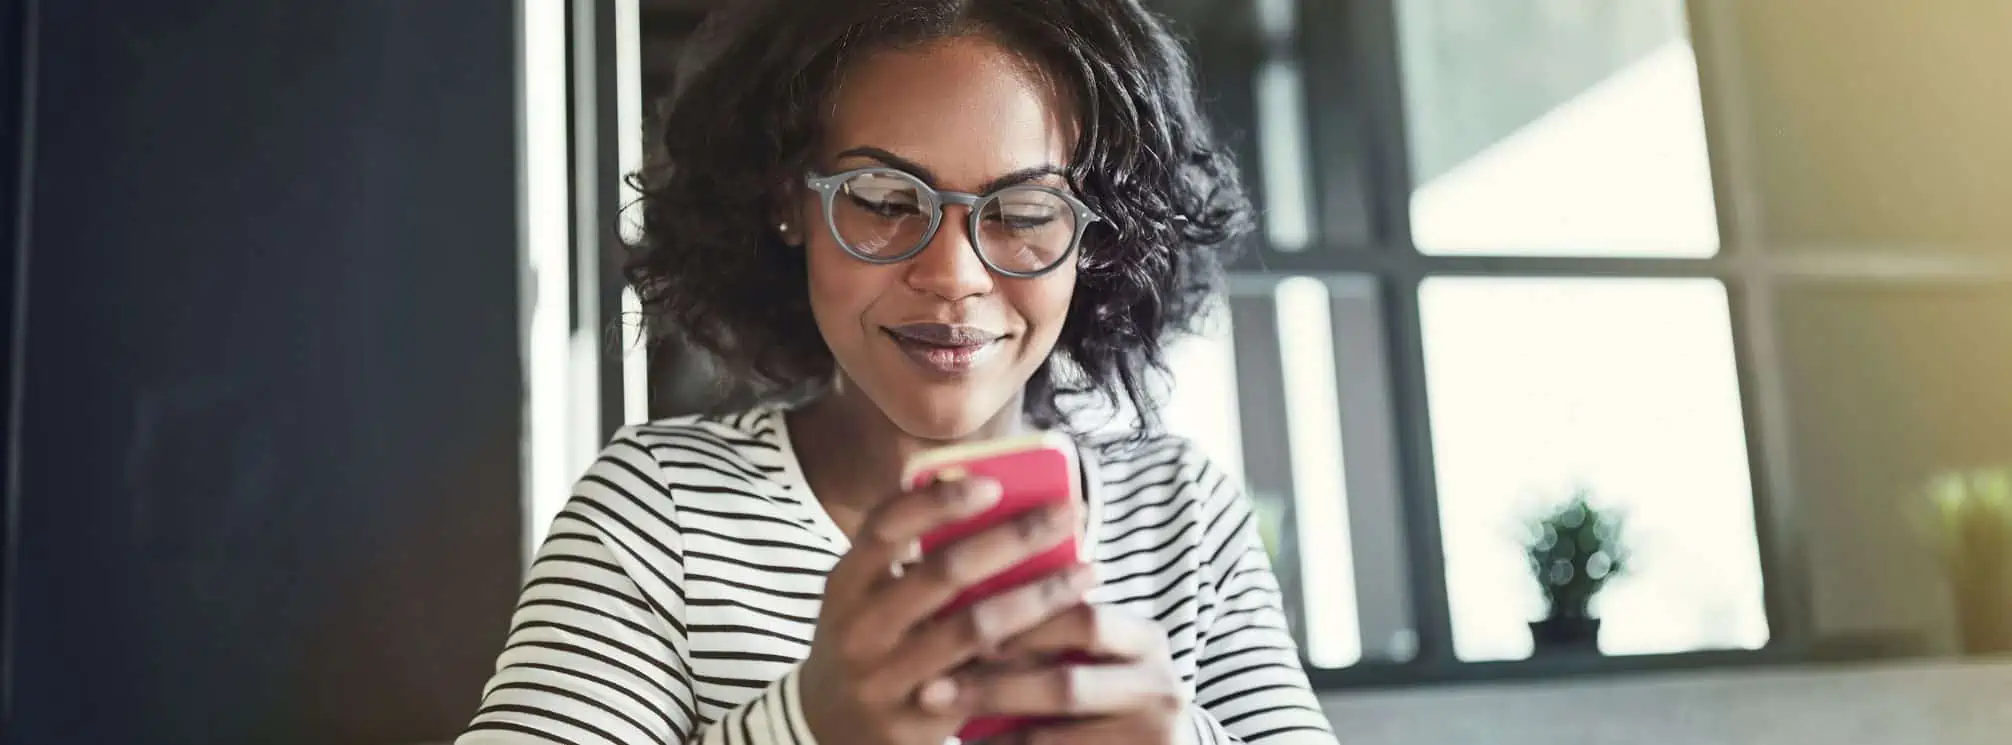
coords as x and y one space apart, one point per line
942 412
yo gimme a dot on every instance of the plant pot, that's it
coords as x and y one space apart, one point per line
1565 635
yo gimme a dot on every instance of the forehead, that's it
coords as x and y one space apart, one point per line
966 108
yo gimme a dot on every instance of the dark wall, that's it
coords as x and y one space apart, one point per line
270 444
13 58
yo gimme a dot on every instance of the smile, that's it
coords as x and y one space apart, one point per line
944 350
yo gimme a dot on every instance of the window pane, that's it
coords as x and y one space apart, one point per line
1892 385
1319 467
1555 127
1198 401
1288 217
1202 400
1307 341
1626 388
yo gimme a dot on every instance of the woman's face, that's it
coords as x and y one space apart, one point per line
940 343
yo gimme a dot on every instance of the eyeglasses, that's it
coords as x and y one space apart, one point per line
887 216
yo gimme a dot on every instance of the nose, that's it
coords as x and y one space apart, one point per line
949 267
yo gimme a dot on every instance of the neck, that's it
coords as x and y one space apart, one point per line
852 454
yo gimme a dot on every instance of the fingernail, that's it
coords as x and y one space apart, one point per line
911 552
937 695
982 492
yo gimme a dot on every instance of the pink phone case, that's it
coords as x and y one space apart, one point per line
1040 472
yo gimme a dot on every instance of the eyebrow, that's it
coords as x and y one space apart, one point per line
891 160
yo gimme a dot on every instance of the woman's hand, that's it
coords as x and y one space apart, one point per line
1131 694
880 664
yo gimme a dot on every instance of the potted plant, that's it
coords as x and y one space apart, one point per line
1973 525
1575 549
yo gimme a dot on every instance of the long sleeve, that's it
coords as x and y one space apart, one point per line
1249 686
598 649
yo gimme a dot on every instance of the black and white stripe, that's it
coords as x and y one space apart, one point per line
678 591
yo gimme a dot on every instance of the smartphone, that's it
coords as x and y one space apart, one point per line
1033 471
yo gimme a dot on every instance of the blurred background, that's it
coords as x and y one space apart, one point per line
1606 371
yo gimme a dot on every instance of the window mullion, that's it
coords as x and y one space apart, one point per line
1419 476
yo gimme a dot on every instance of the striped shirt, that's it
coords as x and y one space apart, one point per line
677 593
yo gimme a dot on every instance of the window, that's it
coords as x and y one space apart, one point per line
1488 274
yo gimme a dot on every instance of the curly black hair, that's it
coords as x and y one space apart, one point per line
746 115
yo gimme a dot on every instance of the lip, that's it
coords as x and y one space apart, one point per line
944 334
944 350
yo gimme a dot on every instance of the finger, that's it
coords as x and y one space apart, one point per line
925 587
938 647
906 517
1071 690
890 532
1098 631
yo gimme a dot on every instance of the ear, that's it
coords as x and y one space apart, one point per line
789 215
789 232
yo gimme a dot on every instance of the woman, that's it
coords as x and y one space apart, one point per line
912 223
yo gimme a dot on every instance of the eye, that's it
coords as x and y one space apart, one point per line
1032 220
882 195
884 207
1029 211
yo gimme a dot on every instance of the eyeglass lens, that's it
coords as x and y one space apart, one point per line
887 214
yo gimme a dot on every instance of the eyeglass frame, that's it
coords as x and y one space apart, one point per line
827 188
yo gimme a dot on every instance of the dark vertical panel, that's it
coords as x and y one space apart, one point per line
16 65
1345 60
271 434
1357 120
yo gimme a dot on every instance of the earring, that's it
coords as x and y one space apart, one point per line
782 227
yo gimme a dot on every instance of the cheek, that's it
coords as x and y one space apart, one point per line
841 289
1044 302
